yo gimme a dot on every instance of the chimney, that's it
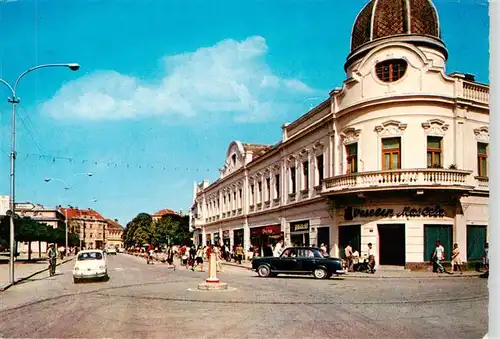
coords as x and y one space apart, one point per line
116 220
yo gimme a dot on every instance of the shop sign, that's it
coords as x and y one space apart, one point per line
225 234
407 211
266 230
299 226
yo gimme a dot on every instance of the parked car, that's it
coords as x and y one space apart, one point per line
299 260
111 250
90 264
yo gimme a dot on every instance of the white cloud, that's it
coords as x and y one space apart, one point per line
230 77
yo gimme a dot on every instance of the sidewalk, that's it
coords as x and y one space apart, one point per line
25 270
385 274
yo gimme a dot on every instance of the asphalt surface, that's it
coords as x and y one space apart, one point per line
152 301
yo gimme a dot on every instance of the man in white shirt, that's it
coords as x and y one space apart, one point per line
61 252
278 249
438 256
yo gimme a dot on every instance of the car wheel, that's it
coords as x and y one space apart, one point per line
320 273
264 271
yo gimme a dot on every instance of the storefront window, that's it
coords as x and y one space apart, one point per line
434 152
391 153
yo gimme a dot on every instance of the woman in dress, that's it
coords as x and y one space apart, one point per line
456 261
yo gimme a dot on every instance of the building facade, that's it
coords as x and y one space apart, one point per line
114 232
396 157
89 224
49 216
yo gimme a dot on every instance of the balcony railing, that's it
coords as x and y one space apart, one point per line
405 178
476 92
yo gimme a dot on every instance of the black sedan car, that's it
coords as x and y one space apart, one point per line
299 260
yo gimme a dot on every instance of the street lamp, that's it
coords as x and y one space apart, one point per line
67 187
14 100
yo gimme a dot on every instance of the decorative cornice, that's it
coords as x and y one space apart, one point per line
435 127
482 134
391 127
350 135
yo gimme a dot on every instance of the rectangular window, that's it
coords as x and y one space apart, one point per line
259 185
268 189
434 152
277 186
391 154
305 174
293 183
224 206
234 201
319 166
352 158
482 159
241 198
252 194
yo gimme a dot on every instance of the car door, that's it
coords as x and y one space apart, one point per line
287 262
307 261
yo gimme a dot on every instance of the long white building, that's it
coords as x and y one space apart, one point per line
398 156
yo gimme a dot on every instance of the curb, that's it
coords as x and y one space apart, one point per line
349 276
8 285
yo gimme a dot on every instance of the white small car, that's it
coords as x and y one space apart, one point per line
111 250
90 264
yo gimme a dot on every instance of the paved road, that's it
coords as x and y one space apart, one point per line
156 302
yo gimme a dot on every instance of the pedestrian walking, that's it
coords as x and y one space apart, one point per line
456 261
239 253
438 256
199 259
170 257
486 260
278 249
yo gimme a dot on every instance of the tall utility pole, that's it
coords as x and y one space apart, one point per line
14 100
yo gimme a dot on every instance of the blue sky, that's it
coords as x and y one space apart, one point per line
166 85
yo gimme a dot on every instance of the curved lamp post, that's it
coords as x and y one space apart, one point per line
67 187
14 100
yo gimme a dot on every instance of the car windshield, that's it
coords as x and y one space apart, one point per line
90 256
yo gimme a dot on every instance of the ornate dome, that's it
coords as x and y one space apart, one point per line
403 20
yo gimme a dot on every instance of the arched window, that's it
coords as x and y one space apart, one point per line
234 159
391 70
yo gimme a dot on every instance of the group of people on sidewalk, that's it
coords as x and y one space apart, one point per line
352 261
438 256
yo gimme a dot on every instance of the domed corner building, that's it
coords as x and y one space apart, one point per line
396 157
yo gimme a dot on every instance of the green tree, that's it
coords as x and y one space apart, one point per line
173 228
139 231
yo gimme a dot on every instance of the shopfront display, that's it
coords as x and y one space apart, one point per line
226 238
262 238
238 237
299 233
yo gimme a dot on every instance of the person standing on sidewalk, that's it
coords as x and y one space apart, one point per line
456 261
348 257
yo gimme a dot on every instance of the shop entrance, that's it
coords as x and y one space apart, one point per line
349 234
238 237
392 244
324 236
